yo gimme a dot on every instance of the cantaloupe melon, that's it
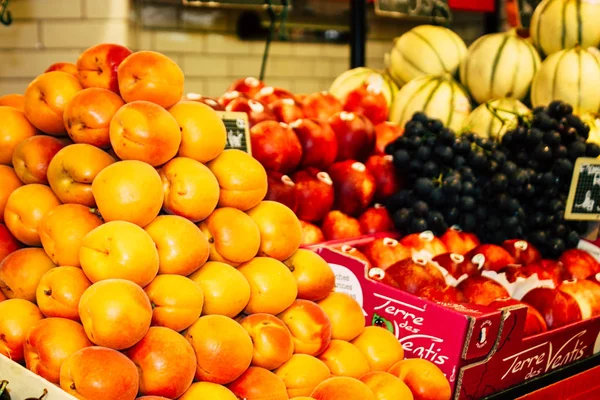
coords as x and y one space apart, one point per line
425 50
572 76
561 24
354 78
593 121
494 118
439 97
499 65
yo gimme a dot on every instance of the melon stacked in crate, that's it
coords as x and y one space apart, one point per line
500 71
139 258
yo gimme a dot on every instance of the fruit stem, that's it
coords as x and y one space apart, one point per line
96 212
3 385
494 111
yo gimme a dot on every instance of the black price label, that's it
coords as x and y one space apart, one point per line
238 134
413 8
583 202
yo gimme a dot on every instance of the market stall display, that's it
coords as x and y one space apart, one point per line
311 266
140 258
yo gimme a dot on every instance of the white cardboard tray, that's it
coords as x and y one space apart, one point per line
23 384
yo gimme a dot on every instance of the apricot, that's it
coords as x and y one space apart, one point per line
208 390
344 359
89 373
302 373
150 76
314 276
146 132
46 98
272 340
166 362
128 191
60 290
386 386
151 398
32 157
380 346
67 67
14 129
119 249
21 272
49 343
25 209
191 190
8 243
10 181
342 388
87 116
280 229
63 229
259 384
424 379
72 171
309 326
203 133
115 313
272 285
346 315
226 290
13 100
18 316
97 66
242 179
233 236
182 247
223 348
176 301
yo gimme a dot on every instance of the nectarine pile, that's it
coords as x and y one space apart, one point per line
140 258
325 158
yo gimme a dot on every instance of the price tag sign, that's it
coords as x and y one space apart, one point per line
437 9
583 202
238 133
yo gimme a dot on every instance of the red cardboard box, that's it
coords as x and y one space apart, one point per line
480 350
473 5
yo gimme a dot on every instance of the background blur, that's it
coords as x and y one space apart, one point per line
202 41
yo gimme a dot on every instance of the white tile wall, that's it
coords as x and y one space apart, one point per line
20 35
106 9
48 9
83 33
30 63
49 31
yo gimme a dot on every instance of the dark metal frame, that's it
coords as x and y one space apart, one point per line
358 33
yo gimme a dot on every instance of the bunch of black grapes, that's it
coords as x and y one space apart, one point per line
453 180
547 146
499 190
